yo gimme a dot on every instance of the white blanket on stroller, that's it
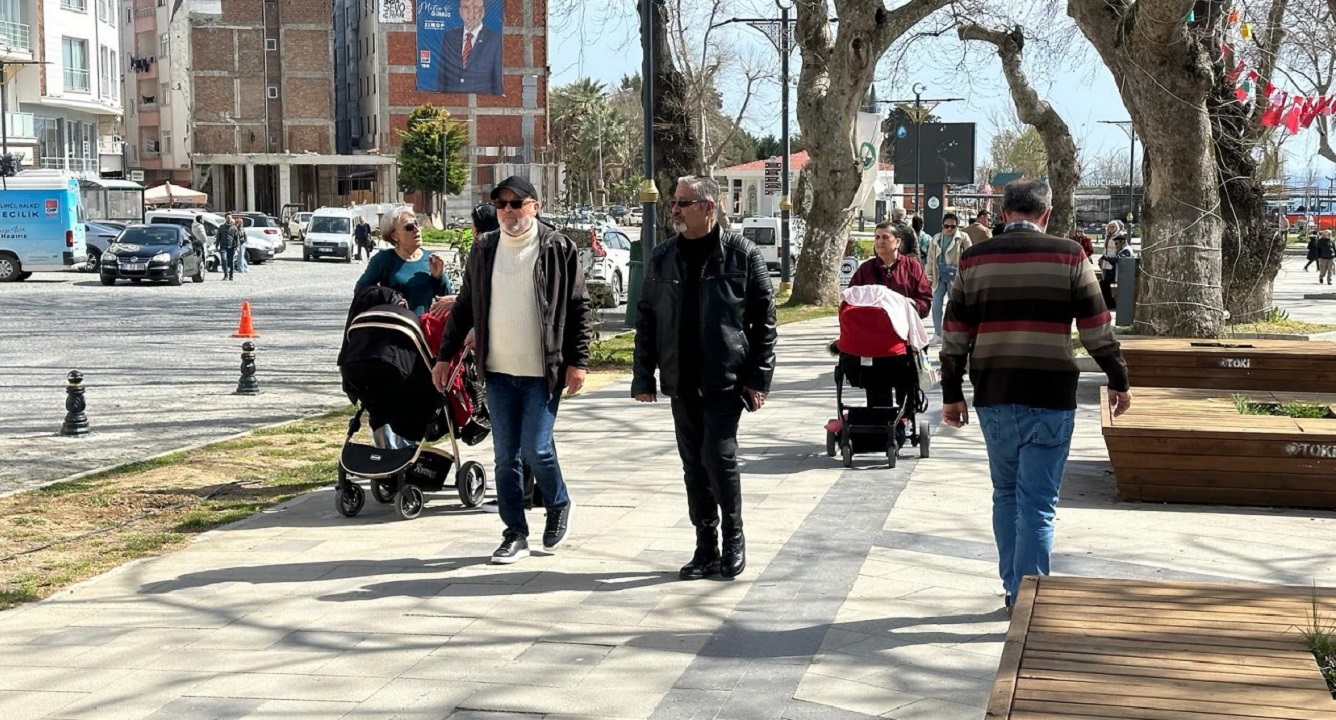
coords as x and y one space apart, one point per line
904 316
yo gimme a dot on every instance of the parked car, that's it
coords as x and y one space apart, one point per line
635 217
607 263
330 235
161 251
97 237
298 224
617 212
262 230
764 232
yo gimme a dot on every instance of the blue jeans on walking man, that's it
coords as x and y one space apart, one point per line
1027 451
945 276
522 415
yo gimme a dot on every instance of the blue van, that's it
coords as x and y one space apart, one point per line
41 224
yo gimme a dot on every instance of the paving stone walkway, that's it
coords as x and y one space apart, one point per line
869 592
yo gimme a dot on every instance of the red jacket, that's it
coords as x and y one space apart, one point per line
904 276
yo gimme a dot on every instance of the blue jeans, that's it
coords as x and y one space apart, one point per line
228 258
939 296
241 260
522 416
1027 451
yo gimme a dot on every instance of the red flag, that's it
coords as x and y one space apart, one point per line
1241 93
1269 91
1234 74
1271 118
1292 116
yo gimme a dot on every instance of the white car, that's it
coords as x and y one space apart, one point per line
330 235
635 216
764 232
297 225
607 265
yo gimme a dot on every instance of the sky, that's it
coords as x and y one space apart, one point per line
604 44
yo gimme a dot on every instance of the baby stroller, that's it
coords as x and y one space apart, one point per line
386 368
875 357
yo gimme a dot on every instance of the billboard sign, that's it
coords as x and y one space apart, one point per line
459 46
947 154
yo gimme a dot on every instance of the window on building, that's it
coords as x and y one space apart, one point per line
75 5
164 45
272 93
104 71
115 66
75 56
165 94
106 11
165 146
270 44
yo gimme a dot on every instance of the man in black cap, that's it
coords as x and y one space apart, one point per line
544 326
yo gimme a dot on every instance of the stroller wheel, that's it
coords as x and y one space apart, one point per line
383 490
925 435
891 457
847 451
409 502
471 482
348 499
830 443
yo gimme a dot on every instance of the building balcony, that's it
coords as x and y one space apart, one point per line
71 165
110 145
146 20
77 80
15 40
20 125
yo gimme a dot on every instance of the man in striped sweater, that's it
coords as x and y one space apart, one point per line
1010 317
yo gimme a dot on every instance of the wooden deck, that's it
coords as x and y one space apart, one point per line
1089 649
1193 446
1283 365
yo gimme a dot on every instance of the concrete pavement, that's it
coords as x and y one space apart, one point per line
869 592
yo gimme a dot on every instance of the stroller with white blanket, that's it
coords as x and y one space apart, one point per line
880 350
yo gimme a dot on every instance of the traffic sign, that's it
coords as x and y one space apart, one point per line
848 266
137 176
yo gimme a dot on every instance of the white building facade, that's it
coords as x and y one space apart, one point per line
63 100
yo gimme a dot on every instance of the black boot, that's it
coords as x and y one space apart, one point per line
735 554
706 560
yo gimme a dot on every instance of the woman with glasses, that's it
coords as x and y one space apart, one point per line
418 276
943 259
891 267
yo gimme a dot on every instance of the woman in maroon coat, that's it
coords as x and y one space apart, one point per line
900 273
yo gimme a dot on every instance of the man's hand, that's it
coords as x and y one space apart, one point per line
440 375
437 265
956 414
575 379
1119 402
647 397
442 306
755 399
470 340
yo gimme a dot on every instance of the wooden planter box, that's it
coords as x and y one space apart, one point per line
1290 365
1193 446
1089 649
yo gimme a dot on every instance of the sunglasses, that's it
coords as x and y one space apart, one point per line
409 227
512 204
683 203
948 227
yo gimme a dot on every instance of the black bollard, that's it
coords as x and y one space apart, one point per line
76 421
248 385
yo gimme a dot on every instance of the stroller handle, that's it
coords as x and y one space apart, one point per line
355 423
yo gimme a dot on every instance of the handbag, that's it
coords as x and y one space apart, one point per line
926 374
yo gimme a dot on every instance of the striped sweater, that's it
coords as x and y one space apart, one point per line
1010 315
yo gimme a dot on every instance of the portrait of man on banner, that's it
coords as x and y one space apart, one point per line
459 46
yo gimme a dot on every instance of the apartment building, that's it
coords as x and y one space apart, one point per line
62 95
235 98
395 58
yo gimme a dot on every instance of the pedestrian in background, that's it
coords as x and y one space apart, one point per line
943 257
524 298
198 232
240 224
1312 252
362 238
706 323
1326 254
1009 321
978 230
228 241
919 249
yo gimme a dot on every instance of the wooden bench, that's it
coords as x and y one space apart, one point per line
1089 649
1194 446
1300 365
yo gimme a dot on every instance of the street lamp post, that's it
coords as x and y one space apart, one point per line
785 203
649 193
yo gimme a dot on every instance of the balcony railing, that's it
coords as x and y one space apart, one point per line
76 79
15 35
21 124
145 12
70 164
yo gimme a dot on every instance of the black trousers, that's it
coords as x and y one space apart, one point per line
707 440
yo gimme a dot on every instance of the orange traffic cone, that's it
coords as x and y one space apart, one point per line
245 329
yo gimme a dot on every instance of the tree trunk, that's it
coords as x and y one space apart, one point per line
676 150
835 77
1064 172
1164 75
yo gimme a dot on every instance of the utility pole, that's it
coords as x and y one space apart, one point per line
1131 130
649 192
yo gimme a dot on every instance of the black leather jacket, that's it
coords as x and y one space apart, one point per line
737 323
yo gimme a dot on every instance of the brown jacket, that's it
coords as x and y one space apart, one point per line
978 233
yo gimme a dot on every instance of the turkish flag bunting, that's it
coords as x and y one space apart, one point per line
1311 108
1271 118
1292 116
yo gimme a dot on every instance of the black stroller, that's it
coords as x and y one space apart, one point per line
386 368
873 357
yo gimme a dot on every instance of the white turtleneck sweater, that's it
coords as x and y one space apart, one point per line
515 340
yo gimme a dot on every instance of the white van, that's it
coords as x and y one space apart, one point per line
41 224
330 234
764 232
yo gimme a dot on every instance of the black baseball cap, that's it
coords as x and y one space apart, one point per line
522 188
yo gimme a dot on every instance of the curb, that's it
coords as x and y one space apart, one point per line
183 449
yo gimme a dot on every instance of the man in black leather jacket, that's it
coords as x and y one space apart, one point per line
706 322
